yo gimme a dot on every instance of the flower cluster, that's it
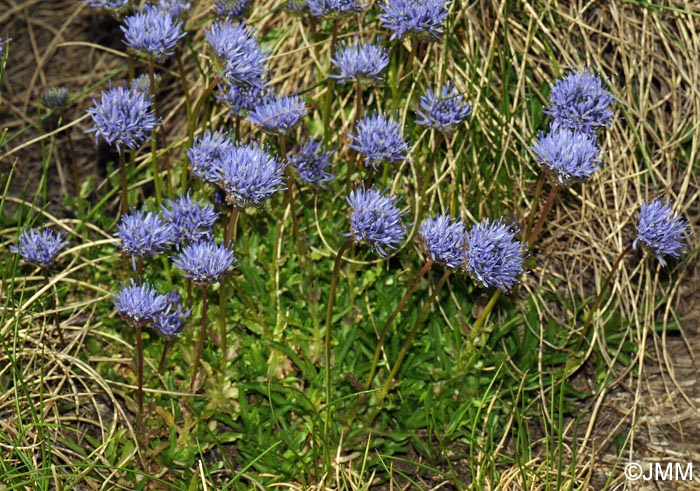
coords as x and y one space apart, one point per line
375 219
379 139
153 32
39 247
494 256
244 61
279 115
360 62
444 240
580 103
311 162
333 8
139 304
231 8
123 117
204 262
108 4
190 220
571 156
144 235
239 98
423 19
443 111
660 230
207 152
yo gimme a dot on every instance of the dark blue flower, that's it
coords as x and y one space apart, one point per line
445 111
152 33
444 240
379 139
236 46
39 247
249 175
580 102
311 162
190 219
206 152
231 8
660 230
360 62
239 98
571 156
204 262
123 117
333 8
279 115
421 18
375 219
494 255
139 304
171 321
55 97
144 234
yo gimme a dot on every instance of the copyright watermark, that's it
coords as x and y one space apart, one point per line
659 471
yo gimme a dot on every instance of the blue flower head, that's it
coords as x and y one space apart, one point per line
244 60
375 219
311 162
177 9
190 219
39 247
360 62
206 152
444 240
171 321
419 18
660 230
334 8
123 117
379 139
494 255
204 262
231 8
108 4
279 115
239 98
152 32
139 304
144 234
571 156
443 111
580 102
55 97
249 175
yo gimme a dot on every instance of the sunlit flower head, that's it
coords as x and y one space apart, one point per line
206 152
568 155
375 219
660 230
424 19
379 138
39 247
190 219
494 255
360 62
311 163
152 32
443 111
204 262
139 304
444 240
279 114
144 234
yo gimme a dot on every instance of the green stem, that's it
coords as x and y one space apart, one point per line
202 334
124 207
166 346
404 349
327 346
52 301
535 202
139 376
543 216
154 145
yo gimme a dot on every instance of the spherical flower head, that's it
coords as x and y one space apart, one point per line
206 152
360 62
494 255
231 8
55 97
311 162
571 156
191 220
152 32
580 102
379 139
139 304
279 115
249 175
39 247
170 322
333 8
204 262
375 219
443 111
244 60
123 117
144 234
239 98
444 240
117 5
420 18
660 230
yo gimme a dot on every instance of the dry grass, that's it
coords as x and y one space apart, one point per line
651 58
